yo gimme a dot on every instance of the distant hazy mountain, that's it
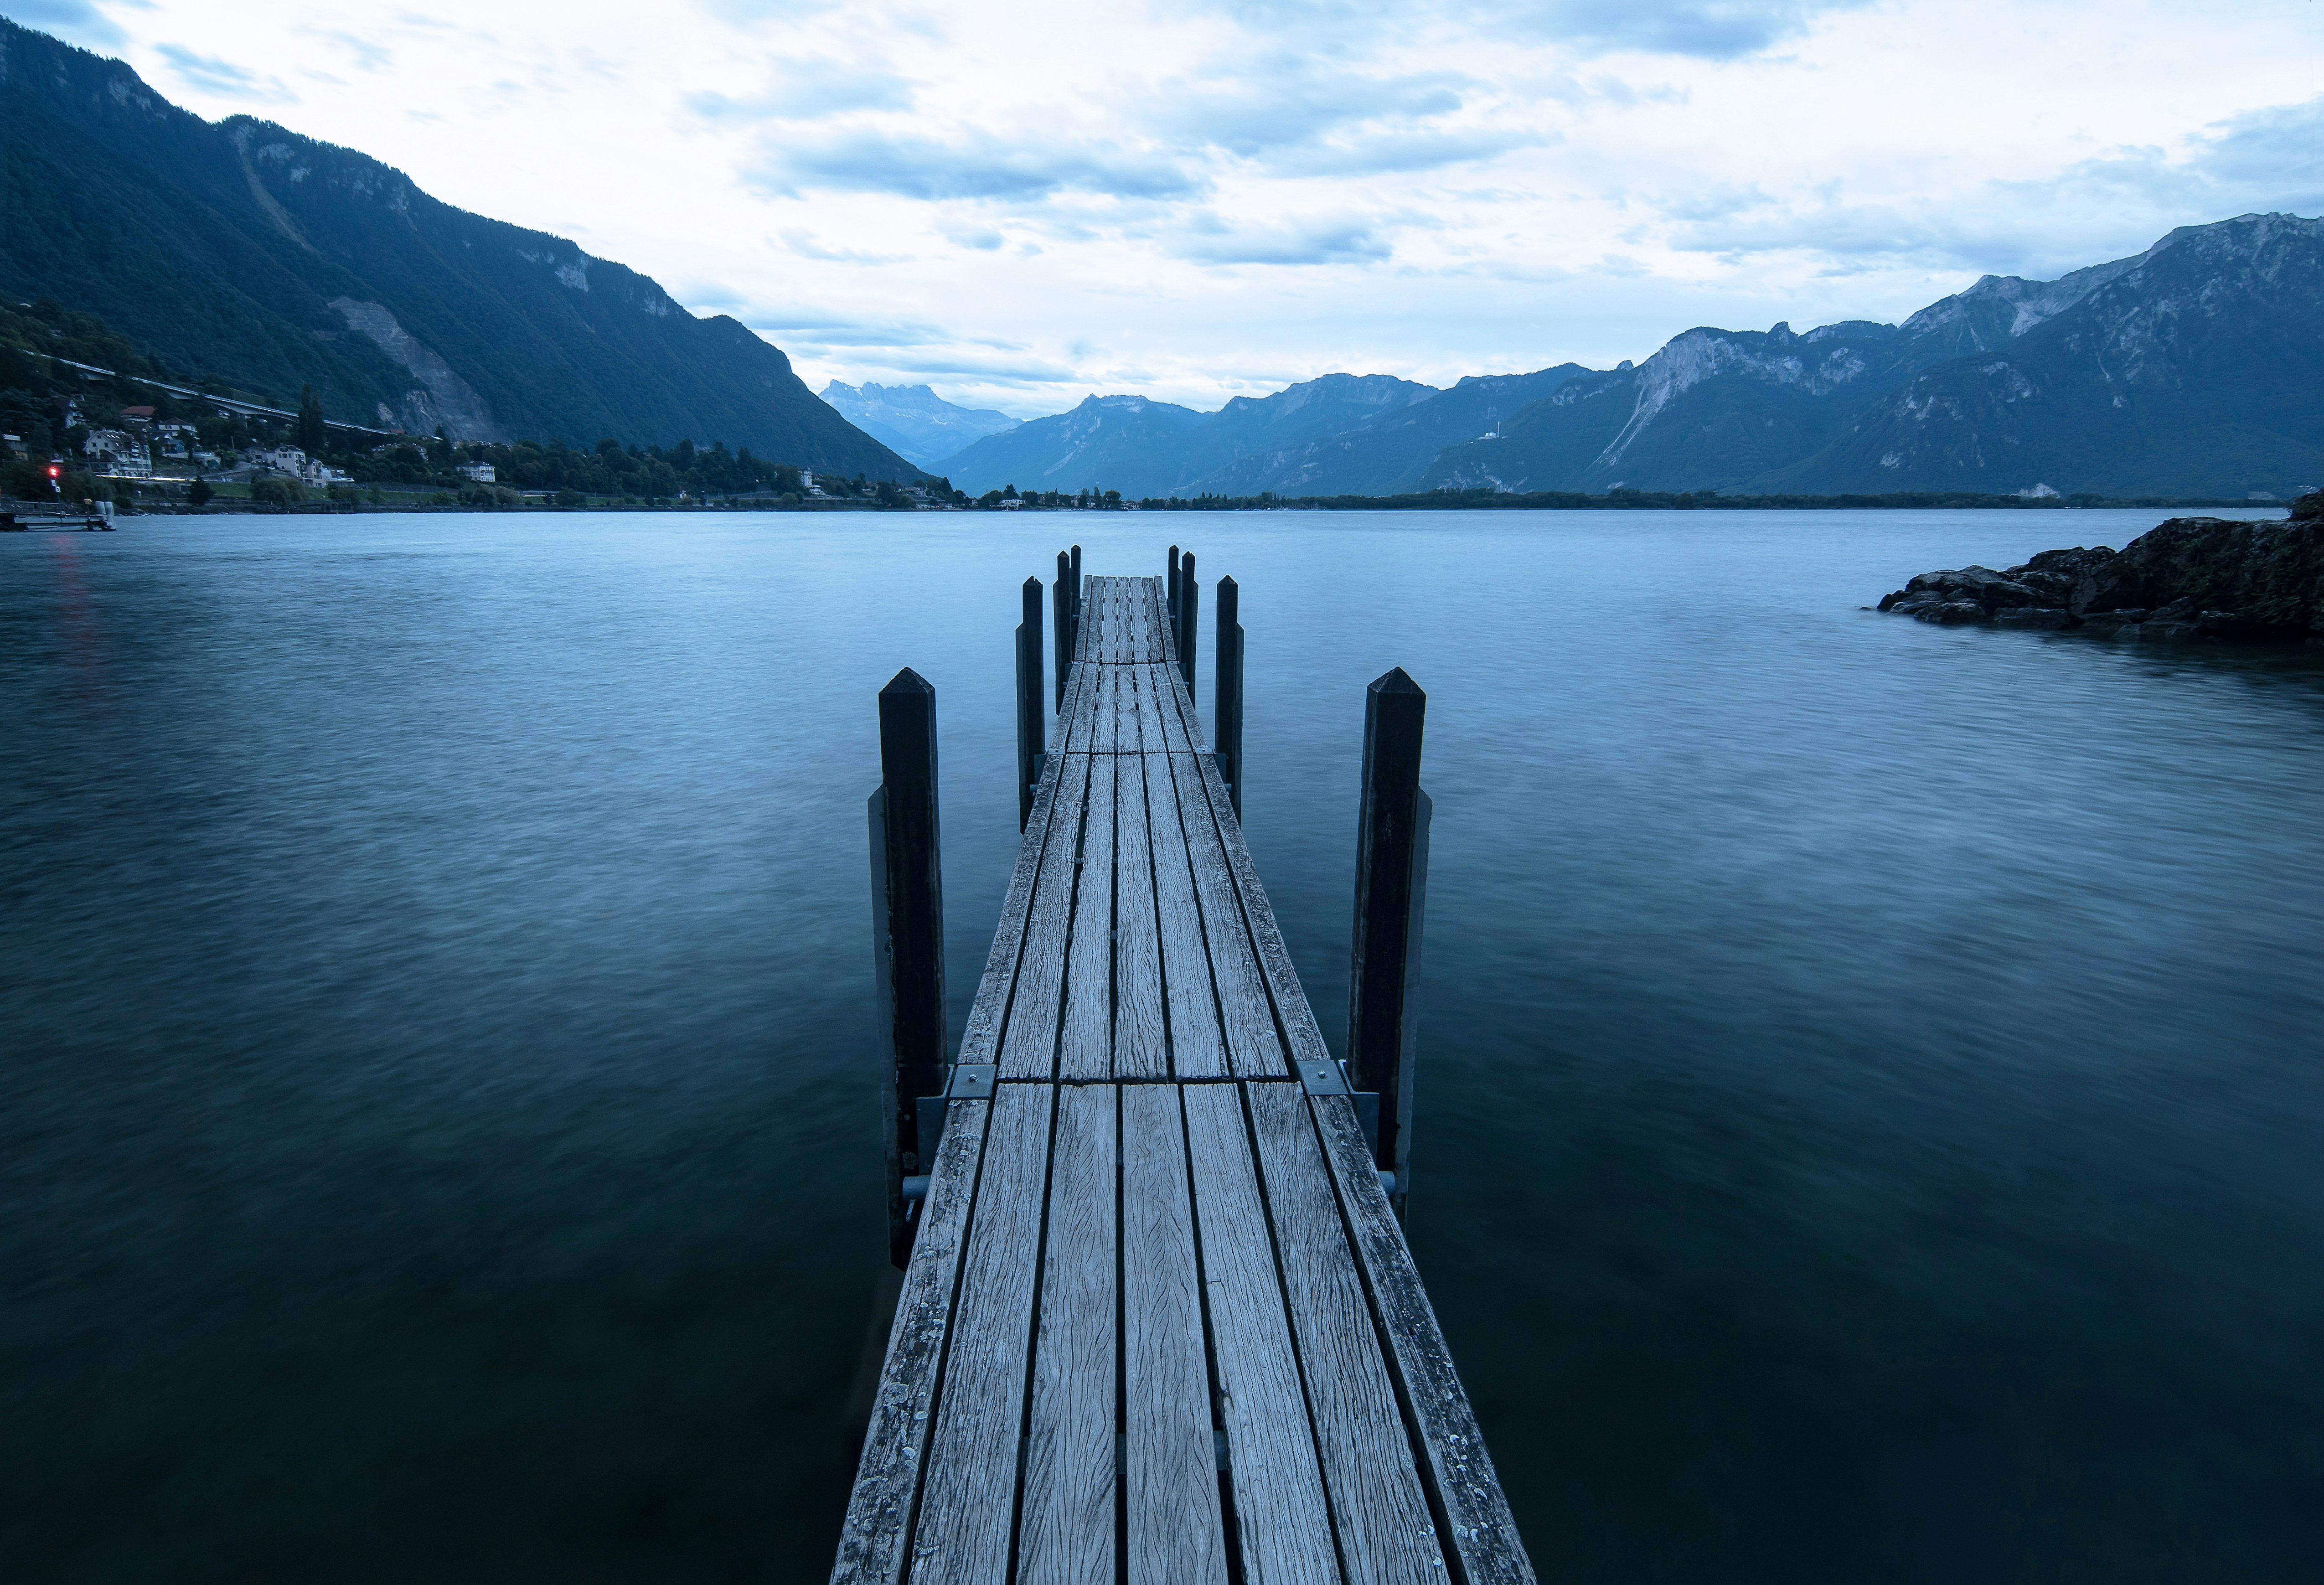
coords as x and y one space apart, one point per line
1392 450
914 419
1143 447
249 252
2191 369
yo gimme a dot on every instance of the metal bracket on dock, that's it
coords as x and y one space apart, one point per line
1331 1078
970 1080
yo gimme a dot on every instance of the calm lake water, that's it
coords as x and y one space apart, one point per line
1868 1124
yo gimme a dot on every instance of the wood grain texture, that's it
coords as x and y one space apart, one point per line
1140 1045
1182 728
968 1503
1295 1016
1381 1512
1247 1017
1472 1516
1078 720
1165 644
1282 1524
1066 1536
1169 1469
1147 716
1196 1049
980 1041
1085 1050
1028 1043
1137 628
872 1540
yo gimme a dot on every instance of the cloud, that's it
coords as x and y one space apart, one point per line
74 20
1386 152
1211 241
803 243
366 55
1251 107
977 165
222 78
1710 30
811 90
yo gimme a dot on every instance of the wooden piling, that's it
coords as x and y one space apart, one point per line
1226 692
1173 609
1062 614
1030 737
906 933
1391 888
1190 599
1077 599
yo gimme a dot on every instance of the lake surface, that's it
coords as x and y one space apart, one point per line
1868 1121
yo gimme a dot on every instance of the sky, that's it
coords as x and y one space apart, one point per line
1025 203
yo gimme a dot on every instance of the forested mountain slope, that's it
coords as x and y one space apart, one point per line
247 251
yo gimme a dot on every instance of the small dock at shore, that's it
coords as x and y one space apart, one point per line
1158 1321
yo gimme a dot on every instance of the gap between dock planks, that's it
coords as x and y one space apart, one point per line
1151 1247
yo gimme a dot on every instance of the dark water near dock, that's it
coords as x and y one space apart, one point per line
1869 1119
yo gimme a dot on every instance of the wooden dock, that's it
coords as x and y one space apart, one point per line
1160 1323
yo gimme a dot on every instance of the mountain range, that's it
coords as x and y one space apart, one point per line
912 419
2195 368
2192 369
242 249
246 251
1144 447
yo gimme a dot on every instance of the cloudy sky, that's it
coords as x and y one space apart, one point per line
1023 202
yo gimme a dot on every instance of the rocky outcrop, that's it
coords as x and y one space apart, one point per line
2191 578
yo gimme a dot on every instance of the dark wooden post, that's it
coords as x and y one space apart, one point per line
1174 583
1029 714
1391 888
906 933
1077 600
1062 612
1226 692
1190 599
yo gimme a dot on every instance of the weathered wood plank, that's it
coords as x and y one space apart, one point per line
1182 729
1465 1493
968 1503
1295 1018
1163 645
1282 1526
1247 1019
1385 1531
1140 1050
1028 1043
1170 1479
1124 621
1069 728
872 1542
1196 1050
1066 1533
981 1039
1085 1051
1143 722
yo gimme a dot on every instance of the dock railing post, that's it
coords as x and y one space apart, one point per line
1172 610
1190 597
1029 735
1062 613
1226 692
1391 892
1075 649
906 934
